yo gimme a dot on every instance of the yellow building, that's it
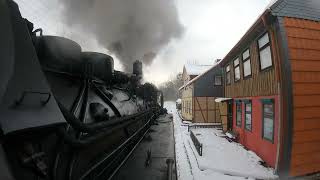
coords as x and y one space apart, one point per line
199 92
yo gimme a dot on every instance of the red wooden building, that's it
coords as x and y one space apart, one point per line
273 77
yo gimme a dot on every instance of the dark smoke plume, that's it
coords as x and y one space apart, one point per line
131 29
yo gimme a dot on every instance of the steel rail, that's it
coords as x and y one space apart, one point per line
128 155
121 148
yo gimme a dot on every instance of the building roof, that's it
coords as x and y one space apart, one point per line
200 75
305 9
195 69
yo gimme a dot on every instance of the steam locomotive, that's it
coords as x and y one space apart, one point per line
65 113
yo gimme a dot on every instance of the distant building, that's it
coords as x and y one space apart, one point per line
199 92
191 71
273 77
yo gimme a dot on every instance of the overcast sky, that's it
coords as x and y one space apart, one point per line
212 28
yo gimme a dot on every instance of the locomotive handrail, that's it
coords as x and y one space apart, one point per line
79 143
38 30
25 93
94 127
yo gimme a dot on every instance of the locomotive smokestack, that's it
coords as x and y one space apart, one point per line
137 68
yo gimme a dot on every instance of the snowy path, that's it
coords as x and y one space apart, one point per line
221 160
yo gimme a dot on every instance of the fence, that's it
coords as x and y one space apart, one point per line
204 125
196 143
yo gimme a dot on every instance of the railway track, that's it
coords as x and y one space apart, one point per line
107 167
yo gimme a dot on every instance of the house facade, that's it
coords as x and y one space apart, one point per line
190 71
273 77
198 97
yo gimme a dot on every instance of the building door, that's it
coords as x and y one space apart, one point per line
229 115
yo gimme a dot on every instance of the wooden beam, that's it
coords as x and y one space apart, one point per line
200 109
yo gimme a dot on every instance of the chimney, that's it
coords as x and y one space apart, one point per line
137 68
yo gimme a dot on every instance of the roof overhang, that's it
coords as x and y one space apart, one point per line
256 29
222 99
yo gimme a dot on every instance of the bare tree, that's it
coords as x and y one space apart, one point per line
171 87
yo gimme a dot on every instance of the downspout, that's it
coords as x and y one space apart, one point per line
278 58
192 100
285 132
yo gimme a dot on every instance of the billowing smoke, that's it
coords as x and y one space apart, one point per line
130 29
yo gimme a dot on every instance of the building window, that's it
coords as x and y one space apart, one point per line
228 75
218 80
238 114
248 115
182 106
268 119
188 107
246 63
236 66
265 52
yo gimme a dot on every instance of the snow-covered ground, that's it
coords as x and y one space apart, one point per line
221 159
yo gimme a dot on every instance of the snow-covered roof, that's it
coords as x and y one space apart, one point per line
196 69
272 2
200 75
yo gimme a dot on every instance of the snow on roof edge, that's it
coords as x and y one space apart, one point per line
195 69
221 99
196 78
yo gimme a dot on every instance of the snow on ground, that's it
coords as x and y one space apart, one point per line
221 159
229 158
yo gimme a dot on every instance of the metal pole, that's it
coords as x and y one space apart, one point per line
169 168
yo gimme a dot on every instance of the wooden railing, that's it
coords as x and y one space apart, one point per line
204 125
196 143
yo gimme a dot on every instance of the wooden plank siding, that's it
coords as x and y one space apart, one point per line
261 83
187 106
222 106
304 54
205 110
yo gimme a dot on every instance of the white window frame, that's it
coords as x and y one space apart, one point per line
246 60
264 46
215 80
236 66
228 73
265 116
